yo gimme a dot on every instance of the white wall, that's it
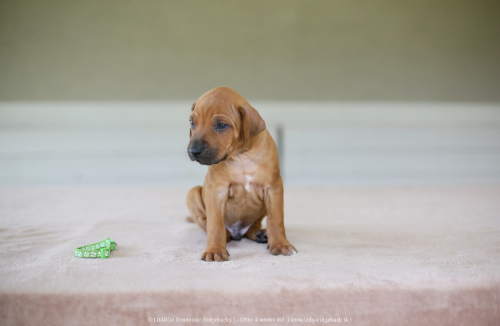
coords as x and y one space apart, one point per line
327 143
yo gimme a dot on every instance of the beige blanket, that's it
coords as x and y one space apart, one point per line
367 256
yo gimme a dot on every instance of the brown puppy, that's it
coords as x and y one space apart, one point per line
243 183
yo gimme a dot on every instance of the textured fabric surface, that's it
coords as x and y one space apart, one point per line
375 255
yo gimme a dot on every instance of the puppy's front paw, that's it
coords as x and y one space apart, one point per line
215 255
285 249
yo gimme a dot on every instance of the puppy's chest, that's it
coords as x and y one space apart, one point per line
245 181
246 185
242 185
245 203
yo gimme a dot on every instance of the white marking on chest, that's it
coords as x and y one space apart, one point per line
248 178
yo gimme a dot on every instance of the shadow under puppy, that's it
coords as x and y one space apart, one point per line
243 184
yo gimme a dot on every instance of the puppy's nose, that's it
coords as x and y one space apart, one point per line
197 147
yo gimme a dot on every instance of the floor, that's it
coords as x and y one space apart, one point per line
392 255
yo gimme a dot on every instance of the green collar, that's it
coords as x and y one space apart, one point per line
97 250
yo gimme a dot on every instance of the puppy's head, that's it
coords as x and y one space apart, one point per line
222 123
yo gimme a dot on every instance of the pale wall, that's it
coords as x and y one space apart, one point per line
327 143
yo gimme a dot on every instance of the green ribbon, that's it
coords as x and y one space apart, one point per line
97 250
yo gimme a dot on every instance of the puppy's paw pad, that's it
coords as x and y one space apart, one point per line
215 255
261 236
285 249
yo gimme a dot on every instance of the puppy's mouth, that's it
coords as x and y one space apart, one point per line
209 159
208 162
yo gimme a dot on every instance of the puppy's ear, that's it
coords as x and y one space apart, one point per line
192 109
251 123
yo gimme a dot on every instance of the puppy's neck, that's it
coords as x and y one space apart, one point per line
253 149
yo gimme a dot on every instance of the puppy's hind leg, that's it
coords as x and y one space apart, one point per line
196 207
256 233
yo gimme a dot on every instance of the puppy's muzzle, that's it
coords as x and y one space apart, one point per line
200 152
197 148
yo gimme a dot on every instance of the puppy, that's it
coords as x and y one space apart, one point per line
243 184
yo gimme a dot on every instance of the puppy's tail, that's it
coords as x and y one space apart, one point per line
189 219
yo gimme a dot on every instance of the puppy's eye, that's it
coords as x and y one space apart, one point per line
192 123
222 126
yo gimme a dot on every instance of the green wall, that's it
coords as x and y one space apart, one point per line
268 50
